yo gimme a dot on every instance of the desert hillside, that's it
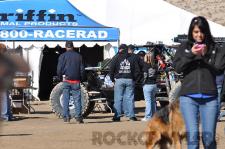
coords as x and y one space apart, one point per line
213 10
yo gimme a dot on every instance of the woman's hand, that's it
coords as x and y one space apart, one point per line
199 49
204 50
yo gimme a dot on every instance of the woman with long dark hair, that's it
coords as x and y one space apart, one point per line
200 60
149 86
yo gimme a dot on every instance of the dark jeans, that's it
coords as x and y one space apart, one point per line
124 90
207 109
74 89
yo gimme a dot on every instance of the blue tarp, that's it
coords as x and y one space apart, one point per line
49 20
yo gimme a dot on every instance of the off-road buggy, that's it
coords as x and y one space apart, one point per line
98 85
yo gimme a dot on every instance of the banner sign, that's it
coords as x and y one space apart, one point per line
81 34
49 20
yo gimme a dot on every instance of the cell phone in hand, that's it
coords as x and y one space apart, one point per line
200 46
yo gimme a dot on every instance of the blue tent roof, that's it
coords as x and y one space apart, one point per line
49 20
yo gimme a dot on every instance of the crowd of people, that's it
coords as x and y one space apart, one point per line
127 68
199 59
201 62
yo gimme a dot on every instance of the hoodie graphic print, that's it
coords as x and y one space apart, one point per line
125 67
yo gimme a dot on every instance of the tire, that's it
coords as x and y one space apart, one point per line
56 99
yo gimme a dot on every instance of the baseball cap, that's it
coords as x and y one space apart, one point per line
69 44
123 46
131 47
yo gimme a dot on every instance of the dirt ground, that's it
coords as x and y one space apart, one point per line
43 130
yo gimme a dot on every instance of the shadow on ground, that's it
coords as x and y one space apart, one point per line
14 135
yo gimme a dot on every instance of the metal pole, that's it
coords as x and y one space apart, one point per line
14 47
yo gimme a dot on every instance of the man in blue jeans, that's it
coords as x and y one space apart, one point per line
123 71
71 68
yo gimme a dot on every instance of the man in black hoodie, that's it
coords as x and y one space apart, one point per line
123 71
71 68
140 61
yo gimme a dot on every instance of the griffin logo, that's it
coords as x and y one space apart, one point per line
41 15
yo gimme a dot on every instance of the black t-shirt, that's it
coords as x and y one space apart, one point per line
149 74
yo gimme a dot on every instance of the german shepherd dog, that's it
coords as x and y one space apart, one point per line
166 128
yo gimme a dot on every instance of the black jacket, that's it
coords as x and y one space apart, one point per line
124 65
199 71
70 64
140 76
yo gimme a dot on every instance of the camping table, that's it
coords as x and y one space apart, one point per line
18 95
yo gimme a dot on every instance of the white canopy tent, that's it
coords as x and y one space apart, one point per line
109 46
32 54
32 24
142 20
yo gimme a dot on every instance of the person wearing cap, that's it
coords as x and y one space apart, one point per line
138 79
141 54
140 60
123 71
70 68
